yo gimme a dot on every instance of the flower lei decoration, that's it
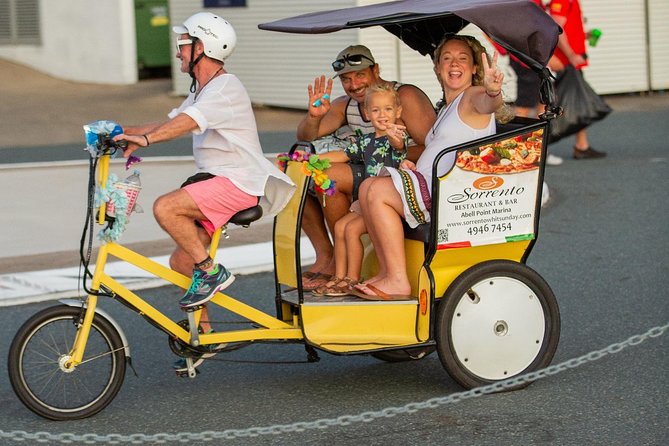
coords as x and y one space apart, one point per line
313 166
119 198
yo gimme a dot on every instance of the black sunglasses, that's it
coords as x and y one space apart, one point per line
355 59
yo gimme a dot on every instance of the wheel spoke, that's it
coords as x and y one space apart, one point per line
98 356
39 378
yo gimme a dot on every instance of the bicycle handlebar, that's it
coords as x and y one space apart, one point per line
99 138
106 142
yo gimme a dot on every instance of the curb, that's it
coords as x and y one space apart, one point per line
40 286
83 162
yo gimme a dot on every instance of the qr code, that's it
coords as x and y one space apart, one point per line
442 235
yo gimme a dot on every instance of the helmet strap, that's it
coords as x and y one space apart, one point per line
191 67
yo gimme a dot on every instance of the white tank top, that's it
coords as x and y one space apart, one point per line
354 118
448 131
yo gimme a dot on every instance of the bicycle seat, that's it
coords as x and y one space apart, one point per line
247 216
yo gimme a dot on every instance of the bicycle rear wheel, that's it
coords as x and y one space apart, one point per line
37 359
498 320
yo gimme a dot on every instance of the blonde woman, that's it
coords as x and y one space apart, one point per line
472 89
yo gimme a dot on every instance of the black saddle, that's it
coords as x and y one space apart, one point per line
247 216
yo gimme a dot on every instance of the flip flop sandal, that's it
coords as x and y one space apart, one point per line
321 290
337 291
378 294
317 280
342 288
308 275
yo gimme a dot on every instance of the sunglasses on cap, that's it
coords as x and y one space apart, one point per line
183 42
352 60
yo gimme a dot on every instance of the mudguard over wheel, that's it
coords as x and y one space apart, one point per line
37 369
497 320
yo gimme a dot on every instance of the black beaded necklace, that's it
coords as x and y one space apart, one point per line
199 90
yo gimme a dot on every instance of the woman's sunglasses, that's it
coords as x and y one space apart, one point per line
355 59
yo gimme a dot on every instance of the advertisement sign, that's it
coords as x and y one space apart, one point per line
490 195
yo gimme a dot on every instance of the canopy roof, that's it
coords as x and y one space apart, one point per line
520 26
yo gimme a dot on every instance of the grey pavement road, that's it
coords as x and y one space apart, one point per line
617 400
602 247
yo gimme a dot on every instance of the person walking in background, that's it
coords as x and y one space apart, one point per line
528 103
571 50
528 85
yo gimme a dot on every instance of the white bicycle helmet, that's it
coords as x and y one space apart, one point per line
216 33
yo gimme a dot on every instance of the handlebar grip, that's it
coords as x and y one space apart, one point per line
105 142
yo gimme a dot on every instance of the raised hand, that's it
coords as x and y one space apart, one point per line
396 134
492 75
319 96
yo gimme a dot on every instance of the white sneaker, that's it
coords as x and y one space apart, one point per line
553 160
545 194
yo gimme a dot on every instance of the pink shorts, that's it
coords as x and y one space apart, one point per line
219 199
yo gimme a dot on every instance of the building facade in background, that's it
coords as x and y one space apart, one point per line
96 42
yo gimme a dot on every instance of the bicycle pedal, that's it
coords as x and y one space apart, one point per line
192 309
183 373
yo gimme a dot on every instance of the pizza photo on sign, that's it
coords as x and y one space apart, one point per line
518 154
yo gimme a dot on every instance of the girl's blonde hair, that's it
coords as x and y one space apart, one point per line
383 88
504 113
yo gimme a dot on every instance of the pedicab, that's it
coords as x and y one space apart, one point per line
474 300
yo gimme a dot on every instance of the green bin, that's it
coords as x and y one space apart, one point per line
152 22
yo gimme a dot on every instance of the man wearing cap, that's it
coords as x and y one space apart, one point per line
357 70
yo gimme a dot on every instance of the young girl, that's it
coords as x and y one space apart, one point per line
385 147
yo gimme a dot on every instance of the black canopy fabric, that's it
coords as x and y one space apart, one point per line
520 26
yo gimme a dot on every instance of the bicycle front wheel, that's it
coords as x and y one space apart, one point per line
37 359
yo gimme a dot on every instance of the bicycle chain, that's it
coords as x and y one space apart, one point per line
344 420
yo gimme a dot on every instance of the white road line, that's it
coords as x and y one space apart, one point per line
38 286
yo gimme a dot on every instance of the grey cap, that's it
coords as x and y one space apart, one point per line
352 51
